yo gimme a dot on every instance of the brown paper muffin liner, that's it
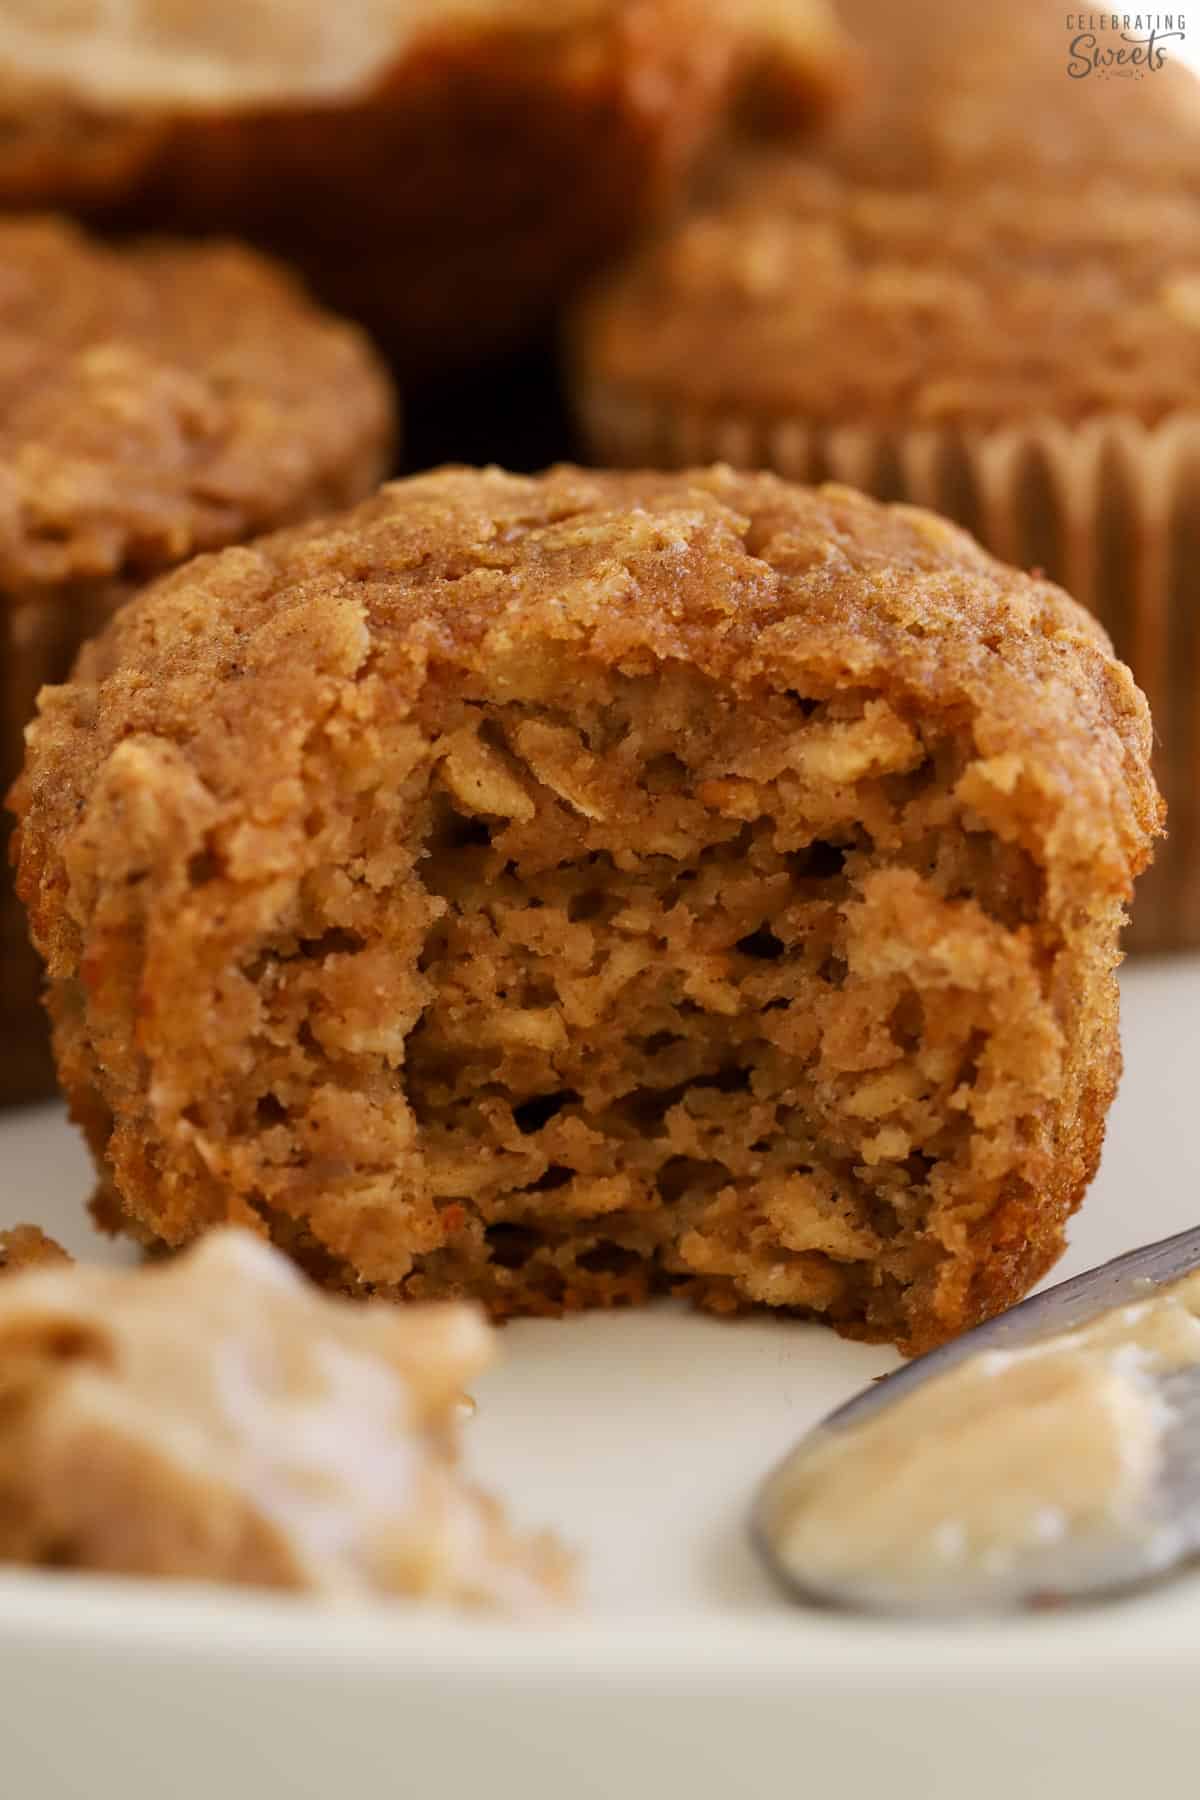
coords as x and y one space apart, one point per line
38 641
1110 510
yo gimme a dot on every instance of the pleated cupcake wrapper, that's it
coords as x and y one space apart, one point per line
38 641
1110 510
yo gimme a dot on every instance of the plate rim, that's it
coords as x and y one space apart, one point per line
1144 1641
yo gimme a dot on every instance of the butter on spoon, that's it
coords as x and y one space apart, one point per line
1051 1455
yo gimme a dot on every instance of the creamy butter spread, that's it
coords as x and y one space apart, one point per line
1016 1472
223 1388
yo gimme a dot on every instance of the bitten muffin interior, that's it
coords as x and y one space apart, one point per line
712 992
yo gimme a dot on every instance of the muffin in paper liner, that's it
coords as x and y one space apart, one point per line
445 171
157 401
1109 508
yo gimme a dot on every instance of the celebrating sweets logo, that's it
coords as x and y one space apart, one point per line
1126 45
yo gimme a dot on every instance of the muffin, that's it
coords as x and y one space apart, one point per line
154 401
558 890
951 308
443 169
215 1419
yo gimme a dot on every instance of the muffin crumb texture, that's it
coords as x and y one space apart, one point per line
213 1418
562 890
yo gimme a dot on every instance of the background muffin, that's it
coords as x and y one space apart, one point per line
983 296
154 401
556 890
442 169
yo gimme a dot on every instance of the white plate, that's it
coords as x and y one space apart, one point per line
639 1436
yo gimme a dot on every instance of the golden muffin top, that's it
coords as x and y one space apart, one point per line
194 711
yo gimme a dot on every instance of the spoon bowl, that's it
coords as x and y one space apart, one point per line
1051 1571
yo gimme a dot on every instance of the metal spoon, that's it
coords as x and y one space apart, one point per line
1070 1305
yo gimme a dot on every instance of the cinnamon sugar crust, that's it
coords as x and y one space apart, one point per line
560 890
445 170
